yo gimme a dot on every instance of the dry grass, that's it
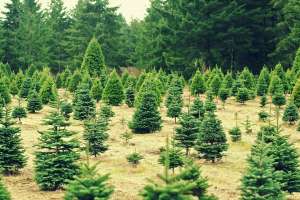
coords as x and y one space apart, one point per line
224 177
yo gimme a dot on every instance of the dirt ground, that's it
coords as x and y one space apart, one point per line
223 177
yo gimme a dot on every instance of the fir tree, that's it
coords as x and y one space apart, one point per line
248 125
84 106
56 157
13 88
34 102
275 85
224 94
66 109
197 108
4 194
278 99
263 82
209 104
235 87
89 185
174 102
130 96
291 114
198 84
296 94
134 159
227 81
215 85
186 133
235 132
25 88
211 141
74 81
95 135
19 112
97 90
124 78
242 95
260 179
113 93
263 101
263 116
4 92
12 157
48 91
146 118
106 112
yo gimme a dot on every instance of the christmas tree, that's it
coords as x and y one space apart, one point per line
96 90
198 84
84 106
130 96
224 93
263 82
89 185
235 132
48 91
66 109
106 112
296 94
275 85
25 88
278 99
215 85
74 81
211 141
56 157
4 92
242 95
146 118
13 88
34 102
134 159
186 133
12 157
197 108
19 112
4 195
174 102
263 101
113 93
291 114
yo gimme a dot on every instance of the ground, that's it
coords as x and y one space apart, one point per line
223 177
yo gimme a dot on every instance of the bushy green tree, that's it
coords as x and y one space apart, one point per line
66 109
83 103
211 142
263 116
12 157
235 87
13 88
263 101
34 102
4 92
106 112
57 154
224 93
263 82
174 102
197 108
134 159
235 132
25 87
97 90
215 85
247 79
174 155
113 93
198 84
242 95
130 96
275 85
227 81
146 118
290 114
19 112
74 81
4 194
296 94
278 99
89 185
48 91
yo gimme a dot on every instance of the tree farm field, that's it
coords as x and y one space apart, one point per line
223 176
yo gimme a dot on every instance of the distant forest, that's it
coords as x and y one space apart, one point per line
176 35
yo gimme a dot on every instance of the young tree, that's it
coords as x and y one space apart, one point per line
290 114
275 85
66 109
25 88
175 158
211 141
19 112
4 194
186 133
84 105
130 96
95 135
198 84
97 90
4 92
56 157
146 118
242 95
12 157
89 185
209 104
263 101
106 112
224 93
263 82
113 93
248 125
263 116
197 108
134 159
296 94
74 81
48 91
34 102
215 85
278 99
13 88
235 132
260 179
174 102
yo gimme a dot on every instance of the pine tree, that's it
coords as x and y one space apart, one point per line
48 91
174 102
279 71
89 185
198 84
235 132
291 114
106 112
215 85
235 87
113 93
4 92
84 106
66 109
296 94
125 76
227 81
260 179
224 93
34 102
56 157
19 112
248 125
209 104
197 108
134 159
4 194
12 157
263 101
278 99
263 82
211 141
25 88
97 90
186 133
275 85
95 135
13 88
130 96
263 116
146 118
174 155
74 81
242 95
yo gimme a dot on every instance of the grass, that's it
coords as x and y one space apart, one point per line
224 177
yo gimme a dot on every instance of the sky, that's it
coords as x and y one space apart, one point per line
131 9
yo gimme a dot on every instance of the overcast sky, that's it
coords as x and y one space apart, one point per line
129 8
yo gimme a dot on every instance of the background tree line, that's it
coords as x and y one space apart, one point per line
175 35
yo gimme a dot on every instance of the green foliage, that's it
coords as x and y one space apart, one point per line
97 90
197 108
106 111
146 118
13 88
48 91
12 157
290 114
4 92
211 141
198 84
235 134
66 109
34 102
186 133
4 194
134 159
248 125
263 116
247 79
25 88
130 96
56 156
174 101
242 95
215 84
113 93
209 104
84 105
19 112
89 185
296 94
236 86
275 85
263 82
174 156
74 81
263 101
224 93
278 99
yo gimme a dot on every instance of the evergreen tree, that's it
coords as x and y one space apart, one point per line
275 85
211 141
97 90
198 84
113 93
291 114
56 157
74 81
278 99
197 108
48 91
66 109
134 159
106 112
84 106
235 132
224 94
260 179
12 157
263 116
174 155
95 135
13 88
19 112
242 95
186 133
130 96
296 94
263 101
174 102
209 104
227 81
4 92
263 82
235 87
4 194
89 185
279 71
215 84
247 79
34 102
248 125
25 88
146 118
